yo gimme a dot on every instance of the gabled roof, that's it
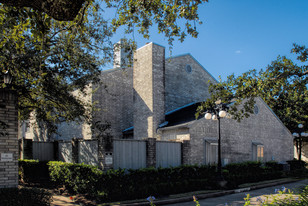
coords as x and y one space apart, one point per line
188 54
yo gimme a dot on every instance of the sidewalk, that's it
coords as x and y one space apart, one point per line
59 200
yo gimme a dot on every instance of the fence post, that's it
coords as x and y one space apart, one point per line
56 150
151 152
27 145
185 152
75 151
105 152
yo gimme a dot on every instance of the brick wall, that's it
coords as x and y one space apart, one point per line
237 138
113 99
9 141
182 86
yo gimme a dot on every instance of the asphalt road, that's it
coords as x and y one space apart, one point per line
237 199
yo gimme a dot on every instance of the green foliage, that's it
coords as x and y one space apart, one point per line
283 86
50 59
77 178
295 164
172 18
124 184
121 184
283 197
25 197
196 201
248 172
33 171
3 127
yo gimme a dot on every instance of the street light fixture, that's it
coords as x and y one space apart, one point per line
219 111
7 78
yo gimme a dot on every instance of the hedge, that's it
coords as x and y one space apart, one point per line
24 197
249 172
123 184
33 171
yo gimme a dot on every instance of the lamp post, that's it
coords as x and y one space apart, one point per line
7 78
219 111
299 134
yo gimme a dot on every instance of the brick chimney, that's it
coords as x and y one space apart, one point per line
121 51
149 90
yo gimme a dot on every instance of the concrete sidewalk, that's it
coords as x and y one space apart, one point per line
60 200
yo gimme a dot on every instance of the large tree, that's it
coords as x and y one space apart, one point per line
50 59
64 10
175 18
283 86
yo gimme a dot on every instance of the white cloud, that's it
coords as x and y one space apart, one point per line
238 51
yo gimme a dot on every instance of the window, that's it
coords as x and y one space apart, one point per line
211 151
188 68
257 151
256 109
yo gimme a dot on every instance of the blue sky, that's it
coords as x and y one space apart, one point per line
239 35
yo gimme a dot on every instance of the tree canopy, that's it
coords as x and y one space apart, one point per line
63 10
50 59
283 86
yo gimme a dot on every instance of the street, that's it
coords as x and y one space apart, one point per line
237 199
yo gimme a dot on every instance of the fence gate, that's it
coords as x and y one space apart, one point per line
168 154
129 154
43 151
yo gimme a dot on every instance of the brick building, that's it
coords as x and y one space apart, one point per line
157 98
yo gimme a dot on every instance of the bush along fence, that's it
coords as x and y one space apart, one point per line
133 154
122 184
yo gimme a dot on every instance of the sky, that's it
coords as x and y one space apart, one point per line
239 35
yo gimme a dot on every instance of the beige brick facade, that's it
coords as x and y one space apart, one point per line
8 139
237 138
136 102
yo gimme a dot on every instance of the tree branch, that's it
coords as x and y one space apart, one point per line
62 10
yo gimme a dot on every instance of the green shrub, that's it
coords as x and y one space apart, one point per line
245 172
77 178
33 171
123 184
24 197
296 164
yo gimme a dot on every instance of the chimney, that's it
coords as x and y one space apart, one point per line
149 90
122 54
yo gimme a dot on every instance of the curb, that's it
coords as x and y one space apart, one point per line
208 195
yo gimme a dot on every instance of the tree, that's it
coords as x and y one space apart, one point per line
139 13
51 59
283 86
63 10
